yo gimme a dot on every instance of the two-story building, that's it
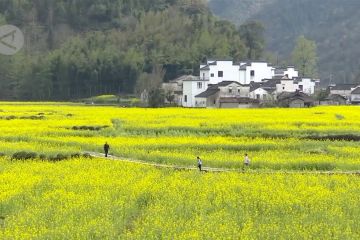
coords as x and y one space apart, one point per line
222 94
243 72
344 90
255 72
193 86
355 96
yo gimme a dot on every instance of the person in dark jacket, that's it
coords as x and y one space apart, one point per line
106 149
199 162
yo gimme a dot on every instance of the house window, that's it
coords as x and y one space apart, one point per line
203 76
185 98
220 74
252 73
238 90
199 85
230 90
258 96
212 75
301 87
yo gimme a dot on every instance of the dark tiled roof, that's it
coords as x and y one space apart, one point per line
226 83
193 78
243 67
185 78
243 100
254 86
279 71
343 86
270 83
205 68
295 95
209 92
214 88
220 60
356 91
267 84
333 97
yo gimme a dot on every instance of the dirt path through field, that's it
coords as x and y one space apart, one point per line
219 170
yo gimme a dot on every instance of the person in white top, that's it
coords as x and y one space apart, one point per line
199 162
246 160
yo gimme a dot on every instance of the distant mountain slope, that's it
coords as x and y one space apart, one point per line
333 24
238 11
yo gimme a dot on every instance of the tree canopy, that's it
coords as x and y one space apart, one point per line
305 58
77 49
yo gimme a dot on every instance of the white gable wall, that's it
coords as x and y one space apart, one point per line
355 97
205 74
286 86
230 72
308 86
261 94
291 72
256 72
190 90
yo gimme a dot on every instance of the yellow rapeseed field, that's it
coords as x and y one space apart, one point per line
290 139
82 198
99 199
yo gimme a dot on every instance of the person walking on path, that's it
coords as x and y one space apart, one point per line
199 162
106 149
246 160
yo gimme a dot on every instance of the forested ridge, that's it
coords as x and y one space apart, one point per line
76 49
332 24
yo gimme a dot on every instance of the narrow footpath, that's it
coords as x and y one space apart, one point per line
218 170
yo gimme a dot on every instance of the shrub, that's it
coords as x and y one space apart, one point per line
87 155
58 157
33 117
75 155
24 155
10 117
89 128
339 117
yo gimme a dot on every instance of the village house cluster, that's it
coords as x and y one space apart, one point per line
228 84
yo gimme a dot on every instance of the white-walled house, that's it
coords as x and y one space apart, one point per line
191 88
289 72
286 85
222 91
217 71
308 85
344 90
255 72
355 96
263 94
305 85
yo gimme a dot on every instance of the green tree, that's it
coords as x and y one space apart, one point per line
305 58
253 35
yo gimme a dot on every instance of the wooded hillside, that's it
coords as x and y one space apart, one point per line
81 48
332 24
